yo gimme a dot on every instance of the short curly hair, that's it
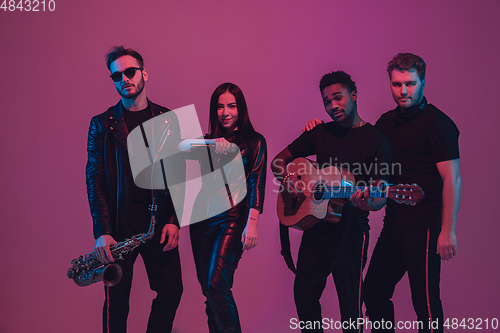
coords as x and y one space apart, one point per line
119 51
337 77
406 62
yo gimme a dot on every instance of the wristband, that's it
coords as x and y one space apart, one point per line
283 181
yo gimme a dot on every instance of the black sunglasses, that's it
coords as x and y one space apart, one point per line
129 72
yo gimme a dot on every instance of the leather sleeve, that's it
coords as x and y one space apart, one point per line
257 177
96 179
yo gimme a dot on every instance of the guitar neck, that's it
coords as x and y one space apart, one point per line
344 192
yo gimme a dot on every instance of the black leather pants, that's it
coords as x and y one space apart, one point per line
217 248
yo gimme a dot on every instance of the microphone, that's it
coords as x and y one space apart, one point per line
189 144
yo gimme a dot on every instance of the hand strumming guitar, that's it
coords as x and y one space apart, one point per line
292 185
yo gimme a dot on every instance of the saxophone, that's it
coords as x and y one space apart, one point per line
87 269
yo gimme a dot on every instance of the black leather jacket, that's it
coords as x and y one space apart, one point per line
109 177
254 157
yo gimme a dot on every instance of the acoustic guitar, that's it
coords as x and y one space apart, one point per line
325 191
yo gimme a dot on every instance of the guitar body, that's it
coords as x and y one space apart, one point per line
304 211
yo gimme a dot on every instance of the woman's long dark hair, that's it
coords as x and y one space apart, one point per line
243 123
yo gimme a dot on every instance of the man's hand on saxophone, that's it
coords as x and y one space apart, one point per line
102 248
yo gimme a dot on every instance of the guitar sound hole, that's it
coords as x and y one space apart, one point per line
319 191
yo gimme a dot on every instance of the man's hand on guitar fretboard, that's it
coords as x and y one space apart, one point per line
361 199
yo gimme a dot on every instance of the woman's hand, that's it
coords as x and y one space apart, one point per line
222 146
249 237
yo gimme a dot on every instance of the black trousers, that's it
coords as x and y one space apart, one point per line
217 249
396 253
318 249
164 274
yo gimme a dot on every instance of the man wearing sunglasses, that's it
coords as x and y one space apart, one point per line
119 208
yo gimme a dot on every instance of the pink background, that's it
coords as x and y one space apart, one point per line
54 80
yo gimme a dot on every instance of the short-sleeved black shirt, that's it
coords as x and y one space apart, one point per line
417 145
363 151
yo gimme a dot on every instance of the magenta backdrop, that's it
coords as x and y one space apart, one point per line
54 80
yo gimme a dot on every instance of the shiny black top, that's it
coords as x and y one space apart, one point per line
227 190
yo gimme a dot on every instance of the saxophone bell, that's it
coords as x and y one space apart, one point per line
110 275
87 269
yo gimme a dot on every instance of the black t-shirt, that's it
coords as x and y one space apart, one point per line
417 145
140 198
363 151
